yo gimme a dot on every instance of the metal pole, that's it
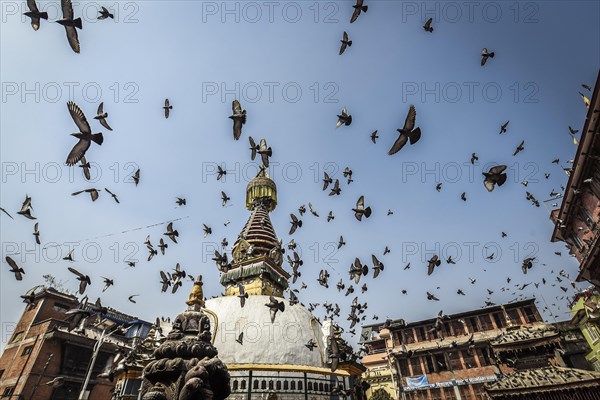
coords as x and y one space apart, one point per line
250 385
41 375
389 354
91 366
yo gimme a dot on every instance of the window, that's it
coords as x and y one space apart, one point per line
480 393
286 385
243 384
484 356
435 394
455 362
61 308
486 322
473 325
310 386
403 366
499 320
255 385
320 386
415 364
449 393
271 384
18 336
448 329
459 327
293 385
469 359
465 393
577 241
592 332
432 333
429 362
585 216
8 392
440 360
530 314
132 386
278 385
515 317
299 385
234 386
263 384
421 334
27 350
407 336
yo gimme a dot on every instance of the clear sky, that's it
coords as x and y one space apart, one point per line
280 59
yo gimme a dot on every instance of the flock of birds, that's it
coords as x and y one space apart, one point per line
172 280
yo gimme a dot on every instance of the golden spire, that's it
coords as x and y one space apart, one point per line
261 189
196 295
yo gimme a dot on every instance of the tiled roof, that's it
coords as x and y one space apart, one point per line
525 334
544 379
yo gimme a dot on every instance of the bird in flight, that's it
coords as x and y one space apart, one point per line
275 306
104 13
374 137
92 191
495 175
70 24
485 55
25 208
36 233
344 118
519 148
101 116
427 27
345 43
238 117
84 280
15 269
84 135
171 233
358 8
167 108
35 14
360 209
114 196
407 133
296 223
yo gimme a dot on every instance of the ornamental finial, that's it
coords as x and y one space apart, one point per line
196 295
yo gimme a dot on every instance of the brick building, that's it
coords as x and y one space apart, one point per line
418 361
42 348
531 366
577 220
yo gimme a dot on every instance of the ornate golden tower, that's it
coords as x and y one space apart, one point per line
257 253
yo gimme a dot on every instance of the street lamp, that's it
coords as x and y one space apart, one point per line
385 334
97 346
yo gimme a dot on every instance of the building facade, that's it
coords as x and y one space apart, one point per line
43 348
577 222
531 366
585 309
453 362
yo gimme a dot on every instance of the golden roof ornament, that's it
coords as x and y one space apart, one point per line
196 295
261 190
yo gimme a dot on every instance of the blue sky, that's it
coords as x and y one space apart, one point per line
281 61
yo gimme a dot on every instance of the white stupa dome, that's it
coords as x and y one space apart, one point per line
265 343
